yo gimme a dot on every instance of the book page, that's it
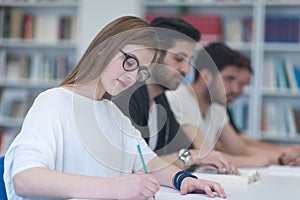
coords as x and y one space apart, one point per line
166 193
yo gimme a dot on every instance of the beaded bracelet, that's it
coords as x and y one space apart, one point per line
179 176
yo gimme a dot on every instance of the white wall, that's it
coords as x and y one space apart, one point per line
95 14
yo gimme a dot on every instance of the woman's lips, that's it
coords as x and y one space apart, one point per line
123 83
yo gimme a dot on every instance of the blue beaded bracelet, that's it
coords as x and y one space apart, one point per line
179 176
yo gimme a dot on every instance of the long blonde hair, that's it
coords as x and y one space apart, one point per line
114 36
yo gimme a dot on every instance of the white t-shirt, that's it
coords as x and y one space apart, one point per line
70 133
186 109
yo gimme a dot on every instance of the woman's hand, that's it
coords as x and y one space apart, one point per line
189 185
136 186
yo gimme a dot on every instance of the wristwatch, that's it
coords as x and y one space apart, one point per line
186 156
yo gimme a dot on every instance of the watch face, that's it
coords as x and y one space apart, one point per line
186 156
181 152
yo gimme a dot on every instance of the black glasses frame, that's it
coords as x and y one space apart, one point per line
127 57
143 72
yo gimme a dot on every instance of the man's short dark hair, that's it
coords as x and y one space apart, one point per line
222 56
171 29
178 25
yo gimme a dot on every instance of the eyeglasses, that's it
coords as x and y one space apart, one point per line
131 63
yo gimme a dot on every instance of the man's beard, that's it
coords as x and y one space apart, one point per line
158 77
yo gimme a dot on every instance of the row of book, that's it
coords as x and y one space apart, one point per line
35 67
216 28
281 74
17 24
15 103
280 120
199 1
212 1
282 29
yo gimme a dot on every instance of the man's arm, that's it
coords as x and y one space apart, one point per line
235 144
233 160
206 155
232 143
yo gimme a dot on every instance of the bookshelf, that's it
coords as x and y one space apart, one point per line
248 26
281 54
37 50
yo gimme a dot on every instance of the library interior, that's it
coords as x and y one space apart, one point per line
42 40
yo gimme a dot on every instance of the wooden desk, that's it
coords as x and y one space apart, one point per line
272 186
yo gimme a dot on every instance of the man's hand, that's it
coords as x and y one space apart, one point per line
215 159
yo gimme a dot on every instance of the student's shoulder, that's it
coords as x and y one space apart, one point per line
55 94
53 97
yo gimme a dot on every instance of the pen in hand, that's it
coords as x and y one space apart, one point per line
143 161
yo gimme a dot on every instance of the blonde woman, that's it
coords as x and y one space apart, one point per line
76 145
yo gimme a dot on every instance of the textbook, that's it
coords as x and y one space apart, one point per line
247 177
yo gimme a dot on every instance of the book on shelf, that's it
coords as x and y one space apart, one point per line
281 74
281 81
28 27
289 66
215 28
233 30
16 20
297 75
280 120
46 28
35 67
247 177
238 29
15 103
2 19
67 27
269 81
209 25
282 29
249 29
16 67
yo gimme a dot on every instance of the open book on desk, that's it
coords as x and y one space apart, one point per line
247 177
166 193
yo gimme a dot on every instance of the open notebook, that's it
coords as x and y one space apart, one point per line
247 177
